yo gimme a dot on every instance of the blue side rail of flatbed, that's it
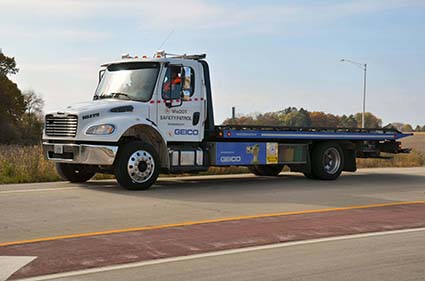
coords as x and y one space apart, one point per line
300 133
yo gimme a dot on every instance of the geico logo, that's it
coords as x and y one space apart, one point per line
230 159
188 132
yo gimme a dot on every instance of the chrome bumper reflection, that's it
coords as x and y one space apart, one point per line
80 153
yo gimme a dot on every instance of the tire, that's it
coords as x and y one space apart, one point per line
74 172
327 161
137 166
266 170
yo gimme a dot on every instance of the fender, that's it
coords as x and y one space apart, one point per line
122 123
132 125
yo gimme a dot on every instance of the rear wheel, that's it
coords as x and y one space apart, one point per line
266 170
327 161
137 166
74 172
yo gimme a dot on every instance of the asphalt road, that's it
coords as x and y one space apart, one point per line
48 209
386 257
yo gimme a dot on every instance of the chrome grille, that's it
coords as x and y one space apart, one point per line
63 126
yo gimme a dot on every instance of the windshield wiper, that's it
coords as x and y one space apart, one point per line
115 95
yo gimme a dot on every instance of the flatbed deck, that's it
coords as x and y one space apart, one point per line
239 132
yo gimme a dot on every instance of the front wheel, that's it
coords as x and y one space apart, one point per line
137 166
74 172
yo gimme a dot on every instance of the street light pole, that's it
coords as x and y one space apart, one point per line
364 96
363 66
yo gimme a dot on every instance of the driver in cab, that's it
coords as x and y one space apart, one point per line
171 88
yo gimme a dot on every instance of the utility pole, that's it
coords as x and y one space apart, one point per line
363 66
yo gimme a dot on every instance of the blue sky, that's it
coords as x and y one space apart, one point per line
263 55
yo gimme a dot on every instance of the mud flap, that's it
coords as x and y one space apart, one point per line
349 161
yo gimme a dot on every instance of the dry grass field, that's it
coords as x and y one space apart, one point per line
414 159
20 164
417 142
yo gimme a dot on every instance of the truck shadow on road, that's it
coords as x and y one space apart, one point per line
287 187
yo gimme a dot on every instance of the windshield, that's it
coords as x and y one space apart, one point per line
133 81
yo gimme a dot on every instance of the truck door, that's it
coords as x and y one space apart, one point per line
181 104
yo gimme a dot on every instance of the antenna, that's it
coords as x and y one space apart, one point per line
166 39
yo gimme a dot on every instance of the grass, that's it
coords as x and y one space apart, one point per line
19 164
413 159
23 164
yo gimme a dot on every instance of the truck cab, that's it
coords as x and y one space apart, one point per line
158 102
152 115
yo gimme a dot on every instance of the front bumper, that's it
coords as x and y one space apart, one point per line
80 153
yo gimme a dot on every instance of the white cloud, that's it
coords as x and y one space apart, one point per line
14 33
197 14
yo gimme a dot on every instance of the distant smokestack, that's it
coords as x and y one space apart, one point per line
233 113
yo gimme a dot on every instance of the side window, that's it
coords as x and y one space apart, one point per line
172 84
179 83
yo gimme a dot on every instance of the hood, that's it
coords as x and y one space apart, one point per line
113 111
97 106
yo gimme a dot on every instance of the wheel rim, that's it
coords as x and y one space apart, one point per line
331 160
140 166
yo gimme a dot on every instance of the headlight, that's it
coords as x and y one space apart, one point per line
104 129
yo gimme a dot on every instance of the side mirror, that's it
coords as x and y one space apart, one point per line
101 73
186 78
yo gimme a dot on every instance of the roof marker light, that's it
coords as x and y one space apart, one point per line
160 54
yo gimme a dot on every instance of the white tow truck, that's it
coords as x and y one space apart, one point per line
152 115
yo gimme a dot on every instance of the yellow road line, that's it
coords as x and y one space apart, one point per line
188 223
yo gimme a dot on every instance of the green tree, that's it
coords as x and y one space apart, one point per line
318 119
406 128
397 125
347 121
20 115
240 120
332 120
12 108
371 121
33 117
295 118
7 65
287 110
268 118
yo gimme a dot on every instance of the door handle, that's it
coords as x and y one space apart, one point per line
195 119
